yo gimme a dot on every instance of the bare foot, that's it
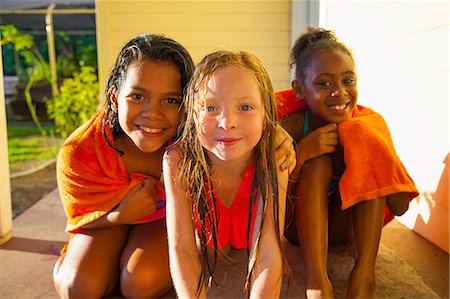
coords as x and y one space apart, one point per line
361 284
317 294
319 290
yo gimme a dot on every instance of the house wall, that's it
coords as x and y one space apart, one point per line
401 50
5 187
261 27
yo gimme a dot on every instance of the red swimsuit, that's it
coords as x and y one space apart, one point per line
233 221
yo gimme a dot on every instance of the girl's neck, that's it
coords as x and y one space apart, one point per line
230 167
137 161
315 121
227 176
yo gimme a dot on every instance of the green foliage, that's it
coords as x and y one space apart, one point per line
24 45
39 69
76 102
10 34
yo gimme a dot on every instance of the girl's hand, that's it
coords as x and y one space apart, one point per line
284 150
139 202
319 142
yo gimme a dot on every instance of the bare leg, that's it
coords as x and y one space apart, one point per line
340 222
311 214
90 267
145 262
368 222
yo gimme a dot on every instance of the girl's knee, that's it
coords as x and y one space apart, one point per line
319 169
398 203
73 285
145 283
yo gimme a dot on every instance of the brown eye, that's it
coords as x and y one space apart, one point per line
349 81
174 101
137 96
323 83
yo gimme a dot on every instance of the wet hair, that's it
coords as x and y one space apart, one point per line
310 45
195 169
152 47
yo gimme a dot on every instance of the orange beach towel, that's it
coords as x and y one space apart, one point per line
372 166
92 178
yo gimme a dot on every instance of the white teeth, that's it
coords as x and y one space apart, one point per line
150 130
338 108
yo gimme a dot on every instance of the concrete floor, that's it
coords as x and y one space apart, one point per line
28 258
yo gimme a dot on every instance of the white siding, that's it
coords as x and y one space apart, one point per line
402 56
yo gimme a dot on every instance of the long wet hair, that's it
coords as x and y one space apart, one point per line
310 45
195 169
152 47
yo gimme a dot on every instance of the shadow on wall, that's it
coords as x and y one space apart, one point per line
428 214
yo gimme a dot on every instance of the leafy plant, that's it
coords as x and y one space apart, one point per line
39 69
76 102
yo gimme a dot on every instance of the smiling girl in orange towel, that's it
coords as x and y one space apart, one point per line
109 172
345 159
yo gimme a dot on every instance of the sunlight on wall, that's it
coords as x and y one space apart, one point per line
421 207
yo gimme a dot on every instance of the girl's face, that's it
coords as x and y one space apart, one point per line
329 87
231 117
149 104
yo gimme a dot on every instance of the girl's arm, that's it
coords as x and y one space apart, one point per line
184 259
319 142
267 273
139 202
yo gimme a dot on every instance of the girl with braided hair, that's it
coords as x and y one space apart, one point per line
348 181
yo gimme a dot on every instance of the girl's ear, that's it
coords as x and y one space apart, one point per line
113 99
297 87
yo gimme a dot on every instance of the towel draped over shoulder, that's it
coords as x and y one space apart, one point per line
92 179
372 166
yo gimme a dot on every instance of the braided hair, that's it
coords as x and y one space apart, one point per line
310 45
152 47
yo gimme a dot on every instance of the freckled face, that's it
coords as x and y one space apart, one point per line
149 104
231 118
329 87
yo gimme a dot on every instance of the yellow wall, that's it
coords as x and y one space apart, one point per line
401 50
5 188
261 27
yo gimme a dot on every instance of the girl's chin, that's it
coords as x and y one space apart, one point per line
150 148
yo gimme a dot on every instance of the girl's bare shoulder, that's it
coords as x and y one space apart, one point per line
173 154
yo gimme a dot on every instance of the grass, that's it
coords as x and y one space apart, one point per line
26 143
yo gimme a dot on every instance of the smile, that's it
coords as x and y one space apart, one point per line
339 107
150 130
227 141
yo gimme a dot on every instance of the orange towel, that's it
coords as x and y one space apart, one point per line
288 103
373 168
92 178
